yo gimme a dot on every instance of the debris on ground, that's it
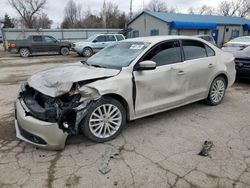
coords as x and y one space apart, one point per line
109 153
206 147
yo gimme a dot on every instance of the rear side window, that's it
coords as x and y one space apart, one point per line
119 37
110 38
165 53
37 38
210 51
193 49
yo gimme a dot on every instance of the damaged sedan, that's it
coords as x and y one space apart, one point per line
125 81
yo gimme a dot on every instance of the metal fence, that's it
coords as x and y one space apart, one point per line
59 34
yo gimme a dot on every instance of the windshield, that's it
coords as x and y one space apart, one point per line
91 38
241 39
118 55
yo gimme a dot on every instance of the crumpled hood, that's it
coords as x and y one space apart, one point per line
59 80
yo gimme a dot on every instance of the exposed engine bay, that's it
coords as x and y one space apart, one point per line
66 110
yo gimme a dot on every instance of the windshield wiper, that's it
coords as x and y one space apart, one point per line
85 62
93 65
99 66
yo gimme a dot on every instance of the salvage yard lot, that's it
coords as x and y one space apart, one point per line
157 151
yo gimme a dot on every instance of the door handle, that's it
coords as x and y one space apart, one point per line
181 72
210 65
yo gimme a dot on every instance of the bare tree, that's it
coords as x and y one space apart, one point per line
42 21
72 14
203 10
28 9
234 8
157 6
206 10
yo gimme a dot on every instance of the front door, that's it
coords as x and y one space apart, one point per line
164 86
50 44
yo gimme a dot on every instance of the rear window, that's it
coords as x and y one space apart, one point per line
119 37
193 49
210 51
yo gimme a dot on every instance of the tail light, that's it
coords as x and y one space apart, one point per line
11 45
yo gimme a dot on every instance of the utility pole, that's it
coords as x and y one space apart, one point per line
130 10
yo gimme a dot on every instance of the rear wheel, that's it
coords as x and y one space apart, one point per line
104 120
24 52
217 91
87 52
64 51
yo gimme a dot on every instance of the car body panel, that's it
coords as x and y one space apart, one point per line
59 80
164 81
53 136
144 92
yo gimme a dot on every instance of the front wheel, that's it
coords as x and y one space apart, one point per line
87 52
217 91
104 120
64 51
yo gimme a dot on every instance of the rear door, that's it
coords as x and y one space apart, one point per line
110 39
164 86
37 43
199 67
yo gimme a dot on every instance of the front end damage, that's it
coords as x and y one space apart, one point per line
47 121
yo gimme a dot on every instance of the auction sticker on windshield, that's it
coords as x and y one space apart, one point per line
136 47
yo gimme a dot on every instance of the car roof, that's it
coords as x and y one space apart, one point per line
156 39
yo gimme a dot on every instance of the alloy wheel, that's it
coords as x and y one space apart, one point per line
218 91
105 121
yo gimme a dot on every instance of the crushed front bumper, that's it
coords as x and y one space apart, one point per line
40 133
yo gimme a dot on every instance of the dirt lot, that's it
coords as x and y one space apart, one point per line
158 151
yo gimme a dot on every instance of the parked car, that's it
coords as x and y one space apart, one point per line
95 43
125 81
208 38
38 43
240 48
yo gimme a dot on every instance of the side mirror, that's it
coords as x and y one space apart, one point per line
94 41
146 65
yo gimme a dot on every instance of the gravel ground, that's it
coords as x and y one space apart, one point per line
157 151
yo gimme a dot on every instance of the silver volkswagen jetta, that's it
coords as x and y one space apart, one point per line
125 81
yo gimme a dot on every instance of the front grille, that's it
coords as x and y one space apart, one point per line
242 62
41 106
31 137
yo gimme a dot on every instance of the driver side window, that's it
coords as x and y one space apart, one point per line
49 39
165 53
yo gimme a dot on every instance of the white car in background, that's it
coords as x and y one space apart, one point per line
95 43
240 48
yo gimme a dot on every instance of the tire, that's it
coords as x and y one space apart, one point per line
217 91
64 51
103 129
87 52
24 52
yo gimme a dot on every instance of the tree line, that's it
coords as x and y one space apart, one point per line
31 13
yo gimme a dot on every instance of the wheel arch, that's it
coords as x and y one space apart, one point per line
19 48
122 101
223 75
